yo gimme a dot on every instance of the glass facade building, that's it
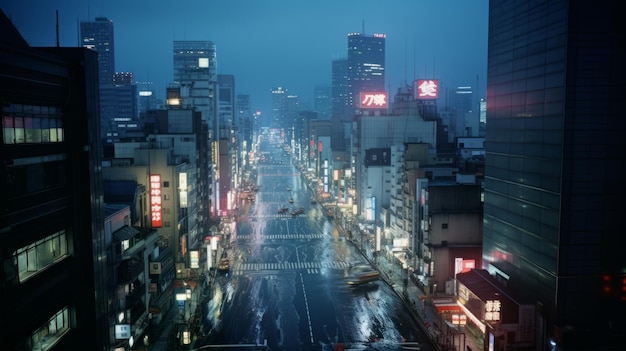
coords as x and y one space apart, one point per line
98 35
366 65
555 164
195 72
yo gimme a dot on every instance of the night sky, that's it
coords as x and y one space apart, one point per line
271 43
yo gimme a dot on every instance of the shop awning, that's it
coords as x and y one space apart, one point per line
447 307
125 233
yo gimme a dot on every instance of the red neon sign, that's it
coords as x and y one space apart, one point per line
426 89
373 100
156 212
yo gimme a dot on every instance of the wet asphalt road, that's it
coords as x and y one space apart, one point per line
287 287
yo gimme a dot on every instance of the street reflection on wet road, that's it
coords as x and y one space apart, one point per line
287 286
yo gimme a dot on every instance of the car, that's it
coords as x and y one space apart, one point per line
291 200
362 274
283 210
364 278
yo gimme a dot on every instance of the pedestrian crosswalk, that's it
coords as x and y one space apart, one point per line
307 267
275 215
289 237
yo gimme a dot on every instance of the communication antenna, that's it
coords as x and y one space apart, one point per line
414 71
57 28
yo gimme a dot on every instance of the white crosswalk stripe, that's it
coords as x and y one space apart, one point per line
309 267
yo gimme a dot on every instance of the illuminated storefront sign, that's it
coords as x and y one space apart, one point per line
156 211
492 310
122 331
462 266
426 89
373 100
182 188
194 259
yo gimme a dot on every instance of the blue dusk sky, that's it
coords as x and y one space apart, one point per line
271 43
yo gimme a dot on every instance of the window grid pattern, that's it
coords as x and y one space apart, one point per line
28 124
50 333
37 256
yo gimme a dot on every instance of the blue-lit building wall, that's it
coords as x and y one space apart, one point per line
554 166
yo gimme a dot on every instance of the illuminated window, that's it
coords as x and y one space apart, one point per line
26 124
50 333
125 245
34 258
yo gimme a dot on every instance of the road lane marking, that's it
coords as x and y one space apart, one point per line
306 304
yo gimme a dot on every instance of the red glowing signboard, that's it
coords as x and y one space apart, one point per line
373 100
156 212
426 89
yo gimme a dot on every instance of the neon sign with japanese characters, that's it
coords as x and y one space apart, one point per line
156 212
492 310
426 89
373 100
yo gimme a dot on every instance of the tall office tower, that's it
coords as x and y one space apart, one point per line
464 122
98 35
292 108
366 66
226 104
146 97
339 91
279 106
195 71
245 116
53 281
228 139
121 104
322 101
195 74
555 166
341 113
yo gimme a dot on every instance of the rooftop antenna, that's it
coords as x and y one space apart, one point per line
414 69
57 28
405 62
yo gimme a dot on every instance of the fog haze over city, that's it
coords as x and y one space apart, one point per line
266 44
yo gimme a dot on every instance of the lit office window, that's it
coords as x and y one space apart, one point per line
26 124
50 333
37 256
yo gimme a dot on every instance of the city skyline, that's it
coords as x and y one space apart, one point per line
445 40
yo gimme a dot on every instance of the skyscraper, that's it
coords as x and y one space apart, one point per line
366 65
322 101
98 35
555 166
195 76
53 284
195 71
